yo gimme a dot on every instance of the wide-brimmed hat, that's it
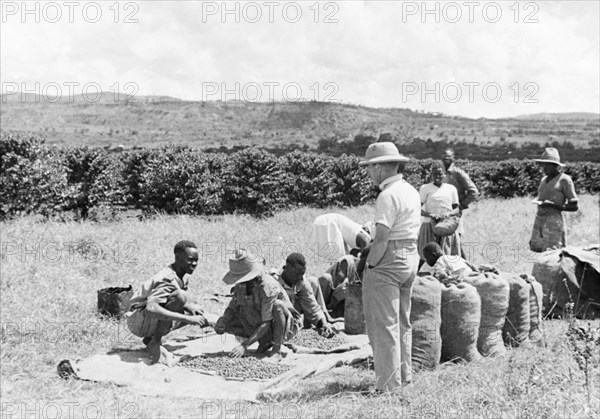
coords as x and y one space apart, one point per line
243 267
384 152
550 155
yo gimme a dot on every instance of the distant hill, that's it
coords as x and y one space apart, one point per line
568 116
92 97
151 121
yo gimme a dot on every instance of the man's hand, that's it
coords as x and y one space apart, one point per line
238 351
339 292
199 320
488 268
550 204
193 309
295 313
326 331
220 326
472 266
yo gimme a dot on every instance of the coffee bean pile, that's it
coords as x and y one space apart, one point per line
240 368
310 338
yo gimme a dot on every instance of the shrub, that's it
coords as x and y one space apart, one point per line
37 179
178 180
255 183
91 176
36 184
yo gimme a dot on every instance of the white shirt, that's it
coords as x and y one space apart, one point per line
437 200
332 236
452 264
398 207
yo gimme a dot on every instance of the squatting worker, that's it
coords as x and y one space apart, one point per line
556 194
162 300
391 266
334 284
305 293
260 309
467 191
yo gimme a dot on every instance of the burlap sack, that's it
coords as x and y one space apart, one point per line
569 275
494 292
517 324
547 271
536 334
461 316
425 317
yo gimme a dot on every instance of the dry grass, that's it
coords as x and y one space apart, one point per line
51 271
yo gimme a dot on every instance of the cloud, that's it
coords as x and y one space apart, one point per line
373 53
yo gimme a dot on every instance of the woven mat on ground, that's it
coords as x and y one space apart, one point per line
132 369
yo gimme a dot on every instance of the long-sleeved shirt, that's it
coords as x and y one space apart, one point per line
255 307
467 191
302 297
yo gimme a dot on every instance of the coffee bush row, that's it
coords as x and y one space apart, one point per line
38 179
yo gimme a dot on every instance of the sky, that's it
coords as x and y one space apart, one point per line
467 58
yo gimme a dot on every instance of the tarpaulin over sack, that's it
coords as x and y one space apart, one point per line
461 316
536 335
426 317
517 324
494 293
570 274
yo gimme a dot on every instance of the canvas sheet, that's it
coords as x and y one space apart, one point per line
589 255
132 369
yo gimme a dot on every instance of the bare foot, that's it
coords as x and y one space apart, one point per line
153 348
167 358
274 357
160 355
263 348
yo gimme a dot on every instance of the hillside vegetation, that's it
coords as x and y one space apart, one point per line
223 126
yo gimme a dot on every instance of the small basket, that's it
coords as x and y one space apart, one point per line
114 301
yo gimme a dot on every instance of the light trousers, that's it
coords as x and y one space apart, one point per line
387 290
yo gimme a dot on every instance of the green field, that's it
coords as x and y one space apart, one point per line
51 271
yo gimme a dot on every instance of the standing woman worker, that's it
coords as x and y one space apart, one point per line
556 194
439 200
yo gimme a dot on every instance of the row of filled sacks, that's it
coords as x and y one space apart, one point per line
475 316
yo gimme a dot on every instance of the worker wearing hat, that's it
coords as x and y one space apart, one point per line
260 309
391 267
556 194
